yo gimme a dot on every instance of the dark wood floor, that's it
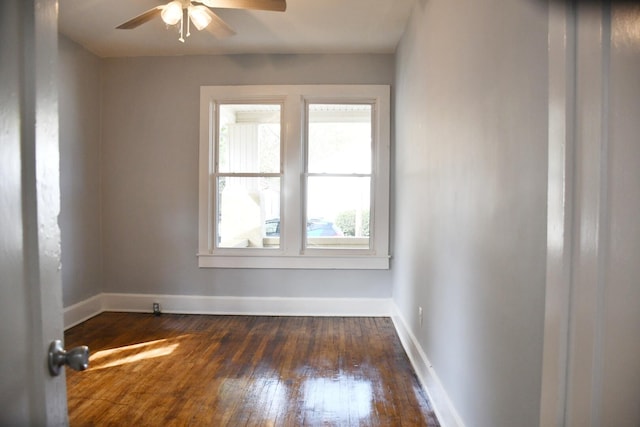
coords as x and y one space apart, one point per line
176 370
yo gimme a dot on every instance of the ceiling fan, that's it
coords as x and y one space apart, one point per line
201 14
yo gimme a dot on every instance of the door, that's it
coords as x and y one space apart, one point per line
30 292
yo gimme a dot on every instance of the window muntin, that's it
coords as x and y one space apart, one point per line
290 237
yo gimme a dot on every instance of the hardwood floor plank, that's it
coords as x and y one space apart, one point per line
190 370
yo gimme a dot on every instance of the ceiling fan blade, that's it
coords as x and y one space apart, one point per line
141 19
273 5
218 27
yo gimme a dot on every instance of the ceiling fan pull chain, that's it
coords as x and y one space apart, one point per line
188 26
182 28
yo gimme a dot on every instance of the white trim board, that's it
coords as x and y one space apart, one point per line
84 310
442 406
249 306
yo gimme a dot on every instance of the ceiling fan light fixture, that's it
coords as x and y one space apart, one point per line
199 16
183 13
172 13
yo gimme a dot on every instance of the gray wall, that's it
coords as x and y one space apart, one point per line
470 200
80 211
150 173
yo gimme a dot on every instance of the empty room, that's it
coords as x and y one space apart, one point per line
307 213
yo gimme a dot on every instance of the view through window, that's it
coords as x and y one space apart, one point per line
248 177
338 178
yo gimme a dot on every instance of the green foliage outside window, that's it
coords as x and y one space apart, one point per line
346 221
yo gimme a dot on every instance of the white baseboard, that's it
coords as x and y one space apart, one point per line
78 313
444 409
250 306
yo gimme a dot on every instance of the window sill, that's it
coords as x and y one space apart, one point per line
342 262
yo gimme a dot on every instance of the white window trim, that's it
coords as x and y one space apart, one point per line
291 253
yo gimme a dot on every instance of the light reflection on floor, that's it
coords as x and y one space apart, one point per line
339 396
269 394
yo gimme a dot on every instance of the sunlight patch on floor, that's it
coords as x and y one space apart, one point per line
132 353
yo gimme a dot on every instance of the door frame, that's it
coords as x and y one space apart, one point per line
578 210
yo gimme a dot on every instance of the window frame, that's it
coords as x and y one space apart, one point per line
292 251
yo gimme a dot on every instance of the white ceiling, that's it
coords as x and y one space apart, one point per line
307 26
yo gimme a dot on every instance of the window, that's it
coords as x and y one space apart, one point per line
294 177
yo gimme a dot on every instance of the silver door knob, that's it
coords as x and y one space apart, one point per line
77 358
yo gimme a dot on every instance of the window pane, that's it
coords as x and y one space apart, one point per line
245 208
339 138
338 212
249 138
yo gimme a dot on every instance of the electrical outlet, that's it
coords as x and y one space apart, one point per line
156 308
420 316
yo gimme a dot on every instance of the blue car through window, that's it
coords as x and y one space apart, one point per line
315 228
